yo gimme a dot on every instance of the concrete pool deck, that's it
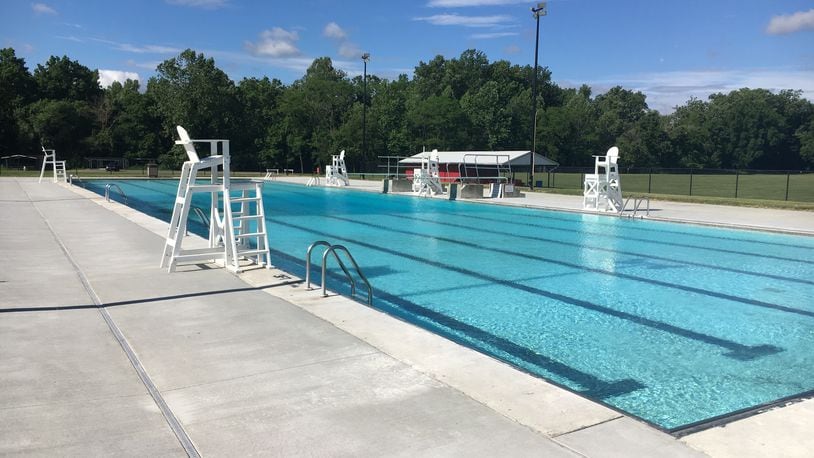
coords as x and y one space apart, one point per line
102 352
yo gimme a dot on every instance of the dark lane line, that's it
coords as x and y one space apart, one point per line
592 385
571 265
737 351
609 250
691 289
657 242
667 231
596 234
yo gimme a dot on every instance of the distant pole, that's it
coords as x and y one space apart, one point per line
536 12
365 58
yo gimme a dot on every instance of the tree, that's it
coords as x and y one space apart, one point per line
429 78
259 101
16 90
64 125
568 133
618 110
64 79
438 122
467 73
189 90
487 114
127 123
690 134
805 135
646 144
314 108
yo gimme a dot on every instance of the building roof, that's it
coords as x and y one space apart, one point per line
483 158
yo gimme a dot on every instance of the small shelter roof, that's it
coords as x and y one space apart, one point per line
483 158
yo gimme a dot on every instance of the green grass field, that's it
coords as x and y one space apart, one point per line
757 186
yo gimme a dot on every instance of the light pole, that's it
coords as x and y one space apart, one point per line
365 58
536 12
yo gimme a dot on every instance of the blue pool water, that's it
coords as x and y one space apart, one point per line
675 324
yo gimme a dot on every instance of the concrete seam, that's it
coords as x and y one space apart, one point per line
588 426
172 421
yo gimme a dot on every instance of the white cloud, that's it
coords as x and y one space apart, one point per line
276 42
666 90
791 23
512 49
70 38
42 8
147 49
206 4
138 49
466 21
466 3
107 77
349 50
332 30
489 36
151 65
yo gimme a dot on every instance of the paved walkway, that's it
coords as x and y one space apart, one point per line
103 353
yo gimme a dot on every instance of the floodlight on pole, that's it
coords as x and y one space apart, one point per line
537 12
365 59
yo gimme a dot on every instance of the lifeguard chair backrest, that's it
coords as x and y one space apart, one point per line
189 146
342 155
613 155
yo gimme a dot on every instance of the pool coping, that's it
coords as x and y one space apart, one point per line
356 319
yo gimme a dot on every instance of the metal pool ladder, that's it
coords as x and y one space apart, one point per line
114 185
637 202
333 249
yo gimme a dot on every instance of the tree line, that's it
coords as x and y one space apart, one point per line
463 103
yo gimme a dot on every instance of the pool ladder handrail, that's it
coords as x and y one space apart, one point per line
201 215
332 249
73 179
114 185
313 181
637 201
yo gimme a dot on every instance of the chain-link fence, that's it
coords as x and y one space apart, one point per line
793 185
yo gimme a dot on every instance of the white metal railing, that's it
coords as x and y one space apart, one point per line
74 179
637 202
117 187
313 181
333 249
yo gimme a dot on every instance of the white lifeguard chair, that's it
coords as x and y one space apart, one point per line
59 166
602 190
237 224
427 179
336 174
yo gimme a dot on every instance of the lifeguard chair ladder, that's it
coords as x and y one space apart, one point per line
336 174
59 166
230 235
602 190
427 179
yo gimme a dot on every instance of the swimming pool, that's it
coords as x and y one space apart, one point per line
675 324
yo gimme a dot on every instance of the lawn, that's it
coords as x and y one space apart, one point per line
748 186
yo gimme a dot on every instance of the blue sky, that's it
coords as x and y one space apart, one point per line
670 50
